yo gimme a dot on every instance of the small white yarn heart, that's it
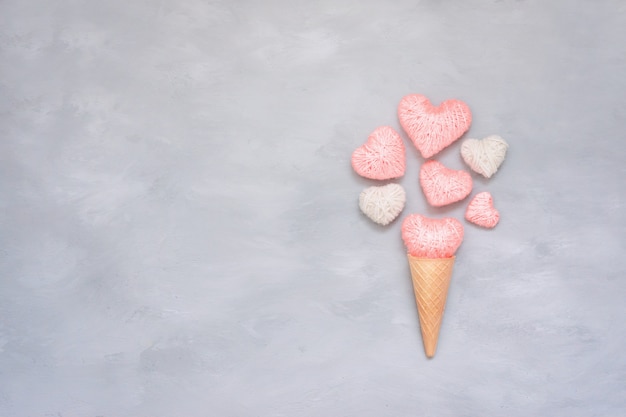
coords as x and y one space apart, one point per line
382 204
486 155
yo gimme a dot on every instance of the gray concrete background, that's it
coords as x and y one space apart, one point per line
179 227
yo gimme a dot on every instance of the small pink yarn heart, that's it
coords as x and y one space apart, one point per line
481 211
431 238
442 185
432 128
382 157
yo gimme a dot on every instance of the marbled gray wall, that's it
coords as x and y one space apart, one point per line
179 226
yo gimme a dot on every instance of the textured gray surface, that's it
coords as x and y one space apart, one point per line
180 233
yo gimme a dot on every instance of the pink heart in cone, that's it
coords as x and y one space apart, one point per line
431 238
432 128
481 211
442 185
382 157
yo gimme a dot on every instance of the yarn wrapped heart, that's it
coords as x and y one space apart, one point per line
443 185
382 204
432 128
382 157
481 211
484 156
431 238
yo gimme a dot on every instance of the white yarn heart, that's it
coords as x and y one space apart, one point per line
486 155
382 204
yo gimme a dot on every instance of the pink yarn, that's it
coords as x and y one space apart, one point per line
433 128
481 211
382 157
431 238
442 185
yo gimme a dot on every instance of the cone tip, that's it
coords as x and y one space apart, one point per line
430 352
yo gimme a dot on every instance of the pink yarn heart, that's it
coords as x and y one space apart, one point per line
382 157
433 128
431 238
442 185
481 211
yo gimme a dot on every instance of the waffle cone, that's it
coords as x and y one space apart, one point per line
431 279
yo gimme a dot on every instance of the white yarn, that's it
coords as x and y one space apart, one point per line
486 155
382 204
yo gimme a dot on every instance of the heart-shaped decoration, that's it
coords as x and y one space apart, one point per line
481 211
383 204
443 185
486 155
431 238
382 157
432 128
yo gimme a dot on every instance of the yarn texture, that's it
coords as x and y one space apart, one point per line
431 238
442 185
481 211
382 204
432 128
382 157
486 155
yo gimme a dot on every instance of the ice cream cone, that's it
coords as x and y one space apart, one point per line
431 279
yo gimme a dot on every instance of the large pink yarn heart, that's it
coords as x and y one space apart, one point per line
382 157
433 128
442 185
431 238
481 211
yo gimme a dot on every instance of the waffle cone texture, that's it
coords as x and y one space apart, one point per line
431 280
